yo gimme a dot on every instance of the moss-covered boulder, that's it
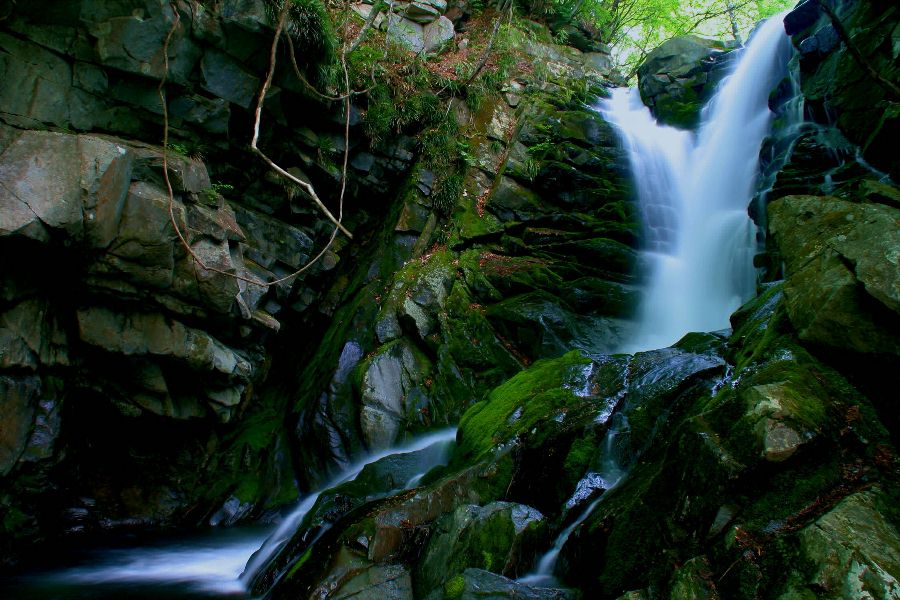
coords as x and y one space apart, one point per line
677 78
500 537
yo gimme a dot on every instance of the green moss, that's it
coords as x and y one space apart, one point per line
454 587
518 405
579 458
304 558
14 519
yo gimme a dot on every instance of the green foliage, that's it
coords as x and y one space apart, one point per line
310 24
212 193
446 193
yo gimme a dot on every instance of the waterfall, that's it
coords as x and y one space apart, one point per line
693 192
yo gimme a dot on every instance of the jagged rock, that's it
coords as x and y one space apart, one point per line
135 44
30 335
270 240
38 88
212 114
840 258
421 12
837 90
250 15
226 78
18 399
43 193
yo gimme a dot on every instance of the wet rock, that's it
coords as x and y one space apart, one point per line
375 582
693 581
675 79
391 381
499 537
481 584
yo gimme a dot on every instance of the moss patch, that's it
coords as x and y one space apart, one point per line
518 405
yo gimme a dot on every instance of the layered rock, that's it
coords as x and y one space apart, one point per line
136 327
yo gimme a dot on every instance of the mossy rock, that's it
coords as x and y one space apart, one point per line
537 394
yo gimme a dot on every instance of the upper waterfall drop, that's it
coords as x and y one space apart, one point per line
693 192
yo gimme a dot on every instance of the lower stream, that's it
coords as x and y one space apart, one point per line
215 564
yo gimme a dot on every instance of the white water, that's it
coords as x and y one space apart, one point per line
612 469
295 518
693 191
221 563
211 564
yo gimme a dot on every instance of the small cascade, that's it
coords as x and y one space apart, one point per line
694 191
615 458
439 441
217 564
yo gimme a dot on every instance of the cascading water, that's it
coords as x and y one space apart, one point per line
693 191
615 460
439 440
699 242
216 565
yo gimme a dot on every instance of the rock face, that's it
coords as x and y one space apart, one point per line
677 78
852 87
167 384
135 328
843 274
419 26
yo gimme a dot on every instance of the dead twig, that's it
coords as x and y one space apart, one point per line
279 28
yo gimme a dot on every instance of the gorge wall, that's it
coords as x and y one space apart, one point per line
144 391
140 391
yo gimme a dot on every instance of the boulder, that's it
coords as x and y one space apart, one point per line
853 550
391 392
421 12
501 537
842 285
677 78
439 34
404 32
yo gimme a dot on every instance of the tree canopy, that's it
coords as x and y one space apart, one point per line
634 27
